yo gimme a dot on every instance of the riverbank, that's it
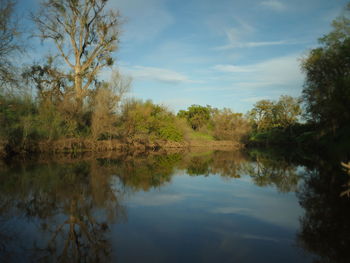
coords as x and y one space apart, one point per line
74 145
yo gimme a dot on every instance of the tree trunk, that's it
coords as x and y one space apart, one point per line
78 87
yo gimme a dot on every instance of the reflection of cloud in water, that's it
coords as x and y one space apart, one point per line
158 199
230 210
264 238
274 213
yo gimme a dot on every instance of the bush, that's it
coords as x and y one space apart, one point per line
230 126
146 122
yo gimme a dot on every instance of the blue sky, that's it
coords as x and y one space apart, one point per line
225 53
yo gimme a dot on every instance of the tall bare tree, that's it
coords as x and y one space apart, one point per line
9 44
85 36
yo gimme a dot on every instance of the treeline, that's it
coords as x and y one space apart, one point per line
325 100
63 97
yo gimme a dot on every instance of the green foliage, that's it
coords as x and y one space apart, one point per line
145 121
197 116
230 126
170 133
200 136
50 124
267 114
327 87
15 118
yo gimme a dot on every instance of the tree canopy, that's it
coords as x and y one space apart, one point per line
327 87
85 36
267 114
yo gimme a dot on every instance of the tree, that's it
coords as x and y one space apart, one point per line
104 104
229 125
262 114
267 114
9 43
196 115
327 87
287 111
85 37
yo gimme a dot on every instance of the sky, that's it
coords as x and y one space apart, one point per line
223 53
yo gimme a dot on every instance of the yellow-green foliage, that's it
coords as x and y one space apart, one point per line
200 136
197 116
50 123
267 114
145 121
230 126
15 116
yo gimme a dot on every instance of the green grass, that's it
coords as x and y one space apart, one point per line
198 136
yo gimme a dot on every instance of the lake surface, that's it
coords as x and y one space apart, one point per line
198 206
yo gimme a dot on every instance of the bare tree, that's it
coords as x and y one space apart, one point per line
85 36
105 102
9 44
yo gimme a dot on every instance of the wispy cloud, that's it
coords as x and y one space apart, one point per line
274 5
232 68
251 44
277 72
238 38
156 74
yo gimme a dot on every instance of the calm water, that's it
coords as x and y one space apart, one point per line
193 207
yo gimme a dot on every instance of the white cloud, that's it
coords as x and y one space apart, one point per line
237 38
156 74
277 72
159 199
274 5
232 68
251 44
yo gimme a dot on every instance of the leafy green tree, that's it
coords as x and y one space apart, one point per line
267 114
287 111
197 116
144 122
262 114
327 87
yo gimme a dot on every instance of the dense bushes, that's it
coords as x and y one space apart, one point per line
147 122
230 126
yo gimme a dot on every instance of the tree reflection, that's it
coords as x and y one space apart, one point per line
267 170
325 228
146 172
74 204
224 163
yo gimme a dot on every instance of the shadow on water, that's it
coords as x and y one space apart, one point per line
62 210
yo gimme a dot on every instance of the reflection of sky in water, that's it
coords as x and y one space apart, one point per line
202 219
177 218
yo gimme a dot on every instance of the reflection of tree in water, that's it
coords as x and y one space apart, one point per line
223 163
229 164
267 170
199 165
144 173
75 203
325 228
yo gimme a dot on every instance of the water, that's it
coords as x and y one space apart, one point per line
193 207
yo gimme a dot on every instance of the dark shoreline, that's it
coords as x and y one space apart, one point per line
75 146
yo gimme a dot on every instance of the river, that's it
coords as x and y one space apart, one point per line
198 206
